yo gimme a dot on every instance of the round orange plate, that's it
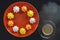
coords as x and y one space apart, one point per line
21 19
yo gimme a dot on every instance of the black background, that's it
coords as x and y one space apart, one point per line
4 35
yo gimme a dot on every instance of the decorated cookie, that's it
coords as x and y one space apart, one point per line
16 9
28 27
30 13
10 15
32 20
23 19
15 29
24 8
22 31
10 23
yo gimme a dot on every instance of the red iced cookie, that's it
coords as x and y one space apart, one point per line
21 19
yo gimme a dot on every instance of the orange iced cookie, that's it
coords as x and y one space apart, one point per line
24 8
28 27
10 23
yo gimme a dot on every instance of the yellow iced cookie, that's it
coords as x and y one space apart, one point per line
10 15
24 8
28 26
22 31
10 23
30 13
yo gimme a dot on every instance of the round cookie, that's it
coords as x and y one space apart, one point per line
28 27
16 9
15 29
10 15
10 23
22 31
24 8
30 13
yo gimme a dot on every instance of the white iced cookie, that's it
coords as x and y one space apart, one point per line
16 9
32 20
15 29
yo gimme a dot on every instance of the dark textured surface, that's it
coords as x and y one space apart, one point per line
4 35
